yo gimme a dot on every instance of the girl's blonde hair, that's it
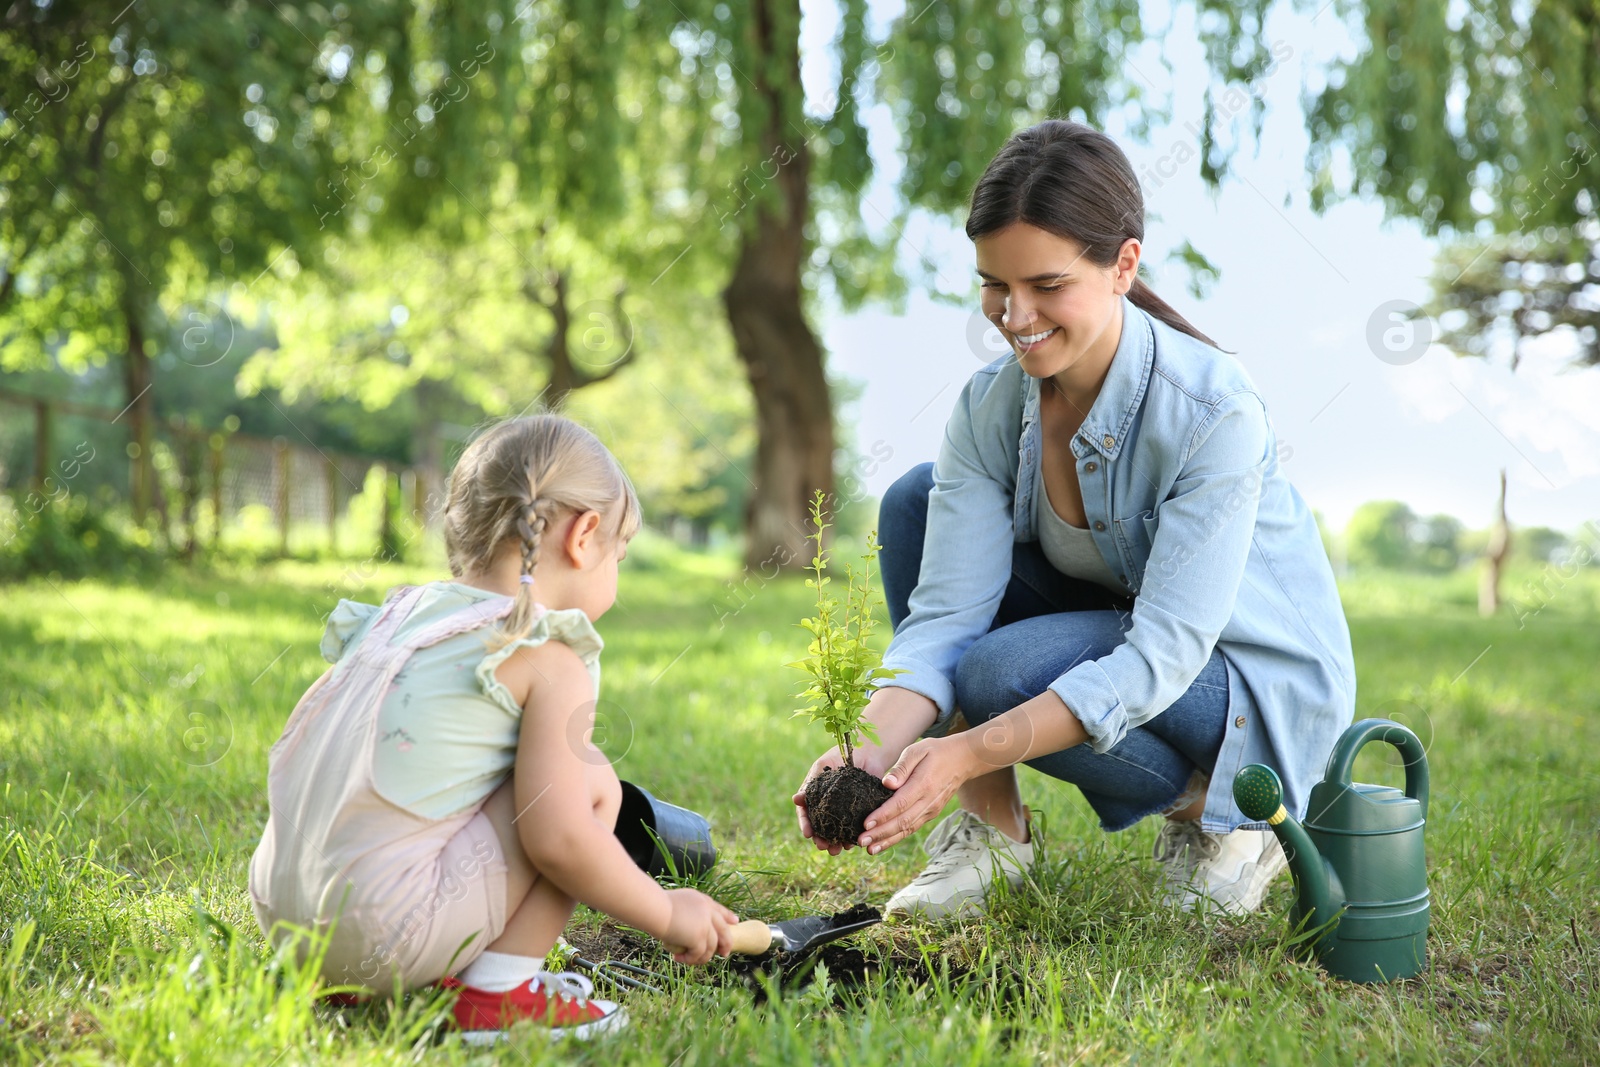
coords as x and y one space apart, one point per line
513 481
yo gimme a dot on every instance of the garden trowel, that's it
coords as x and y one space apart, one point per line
756 936
753 936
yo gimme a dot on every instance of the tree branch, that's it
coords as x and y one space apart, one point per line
583 378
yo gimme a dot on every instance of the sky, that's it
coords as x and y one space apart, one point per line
1303 302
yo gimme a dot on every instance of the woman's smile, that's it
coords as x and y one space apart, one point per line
1027 342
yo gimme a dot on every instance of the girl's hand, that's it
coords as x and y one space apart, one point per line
924 779
871 759
699 927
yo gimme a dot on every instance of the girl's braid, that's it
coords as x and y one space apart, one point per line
530 528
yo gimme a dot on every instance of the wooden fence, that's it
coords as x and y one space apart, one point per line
301 483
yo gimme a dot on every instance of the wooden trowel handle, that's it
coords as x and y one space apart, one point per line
750 938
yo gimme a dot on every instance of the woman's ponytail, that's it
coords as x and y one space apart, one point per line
1145 299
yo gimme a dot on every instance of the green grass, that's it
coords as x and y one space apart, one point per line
133 739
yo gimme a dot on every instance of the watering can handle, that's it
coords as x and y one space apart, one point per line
1344 755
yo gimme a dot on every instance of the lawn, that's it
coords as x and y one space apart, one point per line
134 733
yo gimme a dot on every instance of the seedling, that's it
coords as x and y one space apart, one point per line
843 670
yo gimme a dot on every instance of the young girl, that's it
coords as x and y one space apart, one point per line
1106 571
437 808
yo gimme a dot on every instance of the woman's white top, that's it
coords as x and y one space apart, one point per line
1071 549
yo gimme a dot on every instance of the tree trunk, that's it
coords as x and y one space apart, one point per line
1494 557
609 343
563 376
330 485
781 356
41 447
217 445
429 460
137 376
187 447
282 494
388 546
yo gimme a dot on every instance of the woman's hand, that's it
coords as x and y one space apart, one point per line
899 716
828 759
870 758
925 777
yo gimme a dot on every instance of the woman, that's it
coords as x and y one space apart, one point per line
1105 574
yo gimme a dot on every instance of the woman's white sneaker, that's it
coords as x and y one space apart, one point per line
964 854
1230 872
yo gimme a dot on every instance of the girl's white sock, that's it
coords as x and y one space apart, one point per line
500 972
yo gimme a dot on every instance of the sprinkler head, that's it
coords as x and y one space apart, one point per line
1259 794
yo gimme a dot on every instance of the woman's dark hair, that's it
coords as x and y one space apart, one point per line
1073 181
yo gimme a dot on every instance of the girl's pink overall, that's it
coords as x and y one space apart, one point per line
401 895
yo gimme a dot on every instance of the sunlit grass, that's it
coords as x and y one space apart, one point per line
134 735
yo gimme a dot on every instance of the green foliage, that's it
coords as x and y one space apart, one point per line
1540 544
65 536
391 544
1203 273
468 316
1387 533
1379 534
964 77
158 164
1477 121
187 143
841 662
1498 294
1454 115
684 437
184 163
1436 543
438 334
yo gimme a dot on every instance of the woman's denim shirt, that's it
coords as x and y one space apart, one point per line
1179 472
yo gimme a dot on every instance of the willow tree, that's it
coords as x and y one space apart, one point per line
183 144
1470 118
676 138
461 327
772 182
1482 122
707 96
127 160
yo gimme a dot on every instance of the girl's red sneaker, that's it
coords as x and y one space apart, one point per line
561 1003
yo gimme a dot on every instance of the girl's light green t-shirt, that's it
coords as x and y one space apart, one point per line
446 735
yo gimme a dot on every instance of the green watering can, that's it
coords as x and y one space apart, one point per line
1357 860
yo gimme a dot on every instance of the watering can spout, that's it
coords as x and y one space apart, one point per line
1259 794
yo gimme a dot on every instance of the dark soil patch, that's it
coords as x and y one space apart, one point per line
849 969
855 913
608 942
838 801
855 967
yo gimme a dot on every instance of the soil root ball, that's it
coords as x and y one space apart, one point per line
838 801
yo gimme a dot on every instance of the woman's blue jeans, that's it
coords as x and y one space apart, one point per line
1047 622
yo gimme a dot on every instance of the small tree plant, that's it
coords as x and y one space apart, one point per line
843 670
